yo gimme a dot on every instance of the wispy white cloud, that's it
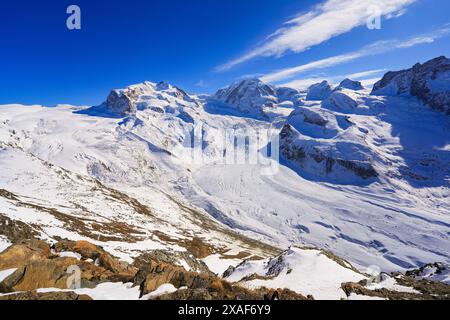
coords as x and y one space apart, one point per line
323 22
364 77
370 50
365 74
201 84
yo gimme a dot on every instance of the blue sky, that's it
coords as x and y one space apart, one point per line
203 45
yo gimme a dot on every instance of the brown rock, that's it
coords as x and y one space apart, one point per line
32 295
18 255
90 251
54 273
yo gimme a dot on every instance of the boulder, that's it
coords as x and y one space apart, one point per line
38 267
23 253
101 257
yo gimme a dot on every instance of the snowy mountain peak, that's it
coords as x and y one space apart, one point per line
429 82
350 84
145 95
255 98
319 91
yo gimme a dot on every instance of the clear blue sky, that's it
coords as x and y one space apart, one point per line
184 43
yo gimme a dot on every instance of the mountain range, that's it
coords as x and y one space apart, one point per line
361 182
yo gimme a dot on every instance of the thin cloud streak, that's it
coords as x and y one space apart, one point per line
370 50
303 84
323 22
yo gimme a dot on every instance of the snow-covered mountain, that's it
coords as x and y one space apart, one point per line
254 98
365 176
429 82
319 91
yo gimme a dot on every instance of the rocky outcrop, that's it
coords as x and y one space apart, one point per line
196 286
429 82
410 290
45 296
314 140
319 91
173 258
122 102
433 271
16 231
38 266
234 293
23 253
88 251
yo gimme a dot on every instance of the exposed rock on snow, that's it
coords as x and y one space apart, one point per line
325 144
433 271
308 271
147 95
254 97
319 91
45 296
430 82
122 102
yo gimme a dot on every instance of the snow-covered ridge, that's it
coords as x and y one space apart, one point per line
252 97
430 82
146 95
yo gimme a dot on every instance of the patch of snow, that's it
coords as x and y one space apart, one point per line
309 272
69 254
184 264
391 284
4 243
218 265
162 290
358 297
104 291
6 273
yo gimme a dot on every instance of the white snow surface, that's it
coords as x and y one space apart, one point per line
309 272
162 290
4 243
104 291
6 273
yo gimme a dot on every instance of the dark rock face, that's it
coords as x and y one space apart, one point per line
429 82
307 156
121 102
16 231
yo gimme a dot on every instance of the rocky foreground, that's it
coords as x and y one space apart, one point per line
69 270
